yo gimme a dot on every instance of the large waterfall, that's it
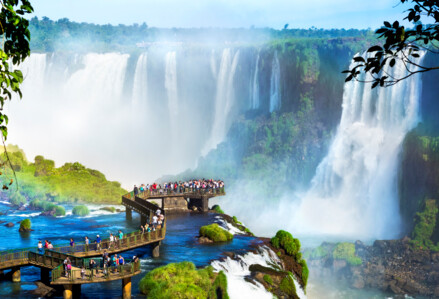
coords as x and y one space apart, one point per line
354 192
275 96
135 118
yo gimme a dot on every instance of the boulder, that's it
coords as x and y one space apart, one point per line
204 240
9 224
48 213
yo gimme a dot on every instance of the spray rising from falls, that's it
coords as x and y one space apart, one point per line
140 84
354 192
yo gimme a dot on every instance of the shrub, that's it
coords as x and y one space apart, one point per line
286 241
80 210
267 278
288 287
109 209
425 223
319 252
59 211
217 209
25 224
17 199
346 251
215 233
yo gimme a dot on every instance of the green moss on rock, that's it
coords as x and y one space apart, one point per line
108 209
25 225
217 209
267 278
182 280
215 233
425 224
80 210
346 251
219 287
285 240
288 287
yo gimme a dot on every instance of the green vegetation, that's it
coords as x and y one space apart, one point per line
425 224
47 206
267 278
215 233
346 251
183 280
59 211
17 199
288 287
219 287
25 224
217 209
284 240
80 210
71 182
319 252
109 209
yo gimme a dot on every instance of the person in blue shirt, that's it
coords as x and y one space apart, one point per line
98 243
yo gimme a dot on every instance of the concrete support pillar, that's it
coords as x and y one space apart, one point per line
129 213
126 288
45 276
156 249
16 274
204 203
143 219
76 291
68 291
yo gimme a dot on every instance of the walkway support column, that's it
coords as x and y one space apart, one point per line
45 277
204 203
16 274
128 213
156 249
126 288
67 294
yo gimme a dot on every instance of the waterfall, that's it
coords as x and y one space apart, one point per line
275 96
354 192
255 87
171 83
225 96
140 84
237 270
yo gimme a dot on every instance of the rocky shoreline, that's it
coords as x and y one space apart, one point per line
393 266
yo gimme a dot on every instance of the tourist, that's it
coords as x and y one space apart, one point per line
98 243
69 269
66 261
136 190
148 229
91 266
87 242
120 235
46 244
142 229
114 262
50 246
155 221
83 272
121 261
40 247
72 245
104 258
111 240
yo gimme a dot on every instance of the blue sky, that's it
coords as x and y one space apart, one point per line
226 13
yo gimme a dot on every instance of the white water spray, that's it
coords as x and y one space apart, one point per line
140 84
171 83
354 191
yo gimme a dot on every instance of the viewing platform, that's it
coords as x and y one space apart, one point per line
167 200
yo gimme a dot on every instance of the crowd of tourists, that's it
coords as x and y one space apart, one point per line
156 223
180 187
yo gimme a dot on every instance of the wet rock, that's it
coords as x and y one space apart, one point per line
42 290
9 224
204 240
99 226
48 213
229 254
22 208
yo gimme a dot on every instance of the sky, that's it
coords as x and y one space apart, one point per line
359 14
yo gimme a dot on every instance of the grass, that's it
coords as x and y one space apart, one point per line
215 233
183 280
80 210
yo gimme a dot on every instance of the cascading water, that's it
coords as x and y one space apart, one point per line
224 99
140 84
354 191
171 83
275 97
255 87
236 270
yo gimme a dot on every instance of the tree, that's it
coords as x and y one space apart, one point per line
15 48
402 45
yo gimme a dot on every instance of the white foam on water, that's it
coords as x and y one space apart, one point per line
237 269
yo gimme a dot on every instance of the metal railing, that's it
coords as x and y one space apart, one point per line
178 191
90 274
